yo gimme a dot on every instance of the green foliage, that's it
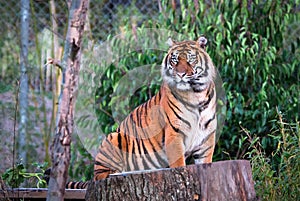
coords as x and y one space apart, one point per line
17 175
255 47
13 176
250 45
81 164
277 175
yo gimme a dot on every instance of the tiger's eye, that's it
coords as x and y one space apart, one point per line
192 58
174 60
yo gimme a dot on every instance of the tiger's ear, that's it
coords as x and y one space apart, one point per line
170 42
202 41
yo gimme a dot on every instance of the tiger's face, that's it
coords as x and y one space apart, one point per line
187 66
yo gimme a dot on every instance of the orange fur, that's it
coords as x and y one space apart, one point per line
167 129
176 123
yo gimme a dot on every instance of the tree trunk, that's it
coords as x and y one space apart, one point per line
23 96
55 93
225 180
60 149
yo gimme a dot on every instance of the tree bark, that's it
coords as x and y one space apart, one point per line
23 96
225 180
60 148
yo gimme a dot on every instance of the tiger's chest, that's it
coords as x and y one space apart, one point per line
192 116
202 125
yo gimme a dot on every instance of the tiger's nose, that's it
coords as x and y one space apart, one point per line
181 74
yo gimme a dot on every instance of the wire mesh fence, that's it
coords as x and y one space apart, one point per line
105 18
48 23
267 29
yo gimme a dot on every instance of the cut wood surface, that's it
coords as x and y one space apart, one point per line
224 180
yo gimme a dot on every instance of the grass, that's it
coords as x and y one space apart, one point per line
277 176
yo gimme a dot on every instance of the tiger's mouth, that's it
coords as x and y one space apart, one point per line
197 86
189 84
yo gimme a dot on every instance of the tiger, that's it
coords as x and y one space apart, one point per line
177 123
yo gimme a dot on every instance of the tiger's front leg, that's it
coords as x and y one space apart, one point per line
205 153
175 149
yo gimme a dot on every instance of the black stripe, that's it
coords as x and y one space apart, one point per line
159 95
146 154
97 163
133 124
127 139
163 140
196 87
158 156
201 62
108 155
125 135
203 141
100 171
84 184
166 61
145 164
139 146
131 133
179 117
119 141
77 185
109 137
209 121
146 113
111 160
204 104
133 152
206 66
202 154
177 97
72 185
174 105
142 110
177 130
173 127
137 112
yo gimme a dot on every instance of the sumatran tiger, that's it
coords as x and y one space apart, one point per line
177 123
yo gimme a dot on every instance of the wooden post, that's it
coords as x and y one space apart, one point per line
225 180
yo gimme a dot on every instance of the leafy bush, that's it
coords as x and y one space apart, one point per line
255 47
276 176
81 163
250 46
16 175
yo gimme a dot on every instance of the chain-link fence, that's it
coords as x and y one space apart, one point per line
109 17
105 17
48 24
47 29
254 45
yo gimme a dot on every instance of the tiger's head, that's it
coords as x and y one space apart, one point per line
187 66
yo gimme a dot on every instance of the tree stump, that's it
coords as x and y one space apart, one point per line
224 180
